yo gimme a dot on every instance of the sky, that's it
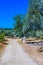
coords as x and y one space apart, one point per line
9 9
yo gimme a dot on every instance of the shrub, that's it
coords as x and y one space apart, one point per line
2 37
39 34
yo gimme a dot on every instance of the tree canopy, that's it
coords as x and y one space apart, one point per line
31 22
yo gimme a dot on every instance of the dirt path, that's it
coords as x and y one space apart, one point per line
15 55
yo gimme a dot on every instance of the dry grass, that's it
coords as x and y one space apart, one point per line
32 51
33 40
3 46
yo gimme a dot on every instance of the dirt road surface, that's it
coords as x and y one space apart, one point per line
15 55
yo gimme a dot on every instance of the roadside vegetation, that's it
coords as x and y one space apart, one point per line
2 37
4 32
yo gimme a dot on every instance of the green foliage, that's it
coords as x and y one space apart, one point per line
31 24
34 15
41 8
2 37
25 25
32 20
39 34
18 25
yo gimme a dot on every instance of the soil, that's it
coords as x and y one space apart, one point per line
32 50
2 47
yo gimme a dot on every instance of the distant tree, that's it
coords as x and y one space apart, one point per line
18 25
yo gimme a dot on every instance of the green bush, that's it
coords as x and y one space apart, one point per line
2 37
39 34
18 34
